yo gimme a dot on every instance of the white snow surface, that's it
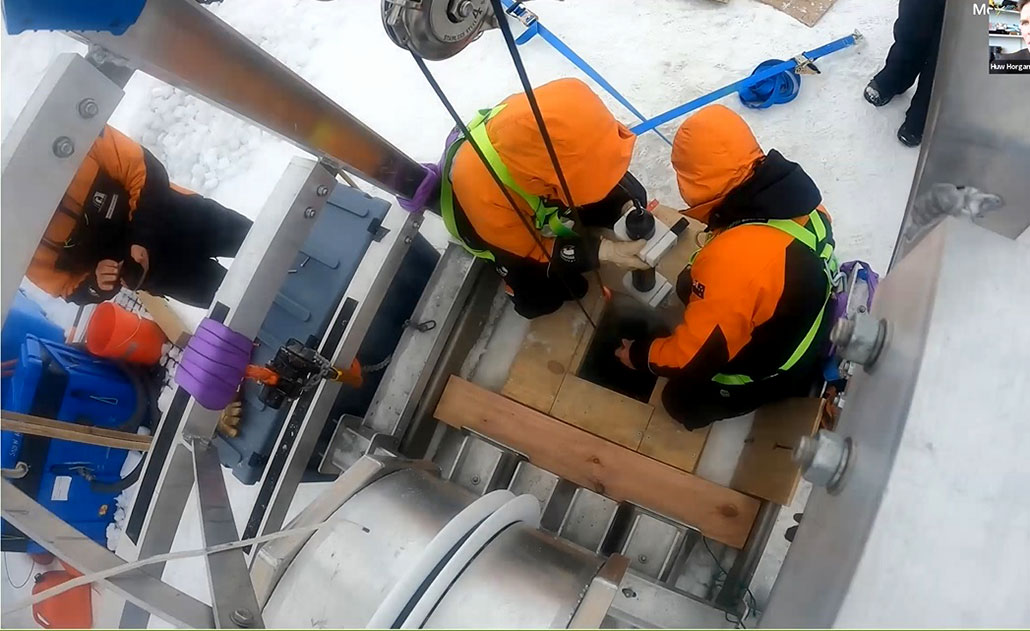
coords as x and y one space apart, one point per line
659 53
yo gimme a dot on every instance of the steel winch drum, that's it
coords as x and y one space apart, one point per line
412 550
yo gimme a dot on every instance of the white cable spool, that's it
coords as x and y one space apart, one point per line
438 550
524 508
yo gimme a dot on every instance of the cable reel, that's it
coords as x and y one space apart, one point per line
436 29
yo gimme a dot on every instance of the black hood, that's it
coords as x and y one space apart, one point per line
778 189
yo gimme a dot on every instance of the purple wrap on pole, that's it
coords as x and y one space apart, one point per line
425 192
213 364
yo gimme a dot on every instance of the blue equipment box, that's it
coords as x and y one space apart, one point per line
75 481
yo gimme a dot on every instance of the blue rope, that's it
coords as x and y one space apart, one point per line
535 28
774 80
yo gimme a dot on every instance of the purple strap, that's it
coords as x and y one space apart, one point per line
213 364
429 187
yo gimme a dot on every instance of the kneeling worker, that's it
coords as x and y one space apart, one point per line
540 257
122 223
755 325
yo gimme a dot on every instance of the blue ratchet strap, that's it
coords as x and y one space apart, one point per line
534 28
759 76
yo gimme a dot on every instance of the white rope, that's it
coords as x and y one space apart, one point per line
86 579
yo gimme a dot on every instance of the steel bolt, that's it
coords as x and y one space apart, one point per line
464 9
88 108
63 147
642 558
823 458
475 480
322 190
309 212
628 592
860 338
242 617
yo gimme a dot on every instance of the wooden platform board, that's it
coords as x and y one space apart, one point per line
554 346
808 12
722 514
765 468
666 440
602 412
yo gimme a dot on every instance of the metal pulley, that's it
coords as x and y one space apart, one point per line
436 29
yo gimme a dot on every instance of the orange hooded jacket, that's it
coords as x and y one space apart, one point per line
102 200
753 291
593 148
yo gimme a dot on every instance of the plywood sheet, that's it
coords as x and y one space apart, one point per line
765 468
666 440
597 464
807 12
602 412
554 345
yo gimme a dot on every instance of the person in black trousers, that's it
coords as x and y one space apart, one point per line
917 36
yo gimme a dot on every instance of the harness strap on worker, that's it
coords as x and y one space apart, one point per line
814 237
544 216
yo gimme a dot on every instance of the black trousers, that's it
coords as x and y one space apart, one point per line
917 38
194 231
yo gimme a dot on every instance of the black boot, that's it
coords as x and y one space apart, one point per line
909 135
875 95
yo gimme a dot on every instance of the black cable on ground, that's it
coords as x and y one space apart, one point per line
497 179
753 606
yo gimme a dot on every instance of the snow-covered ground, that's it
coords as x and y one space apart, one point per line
659 53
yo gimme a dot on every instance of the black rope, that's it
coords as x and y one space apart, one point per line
497 179
527 87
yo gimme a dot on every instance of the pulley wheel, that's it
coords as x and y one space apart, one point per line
436 29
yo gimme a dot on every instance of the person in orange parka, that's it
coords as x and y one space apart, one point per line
121 222
542 270
756 294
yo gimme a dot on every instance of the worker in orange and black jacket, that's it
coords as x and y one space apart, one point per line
756 295
122 223
542 264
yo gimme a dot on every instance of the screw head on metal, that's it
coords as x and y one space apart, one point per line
628 592
322 190
88 108
309 212
475 480
407 240
242 617
63 147
464 8
642 558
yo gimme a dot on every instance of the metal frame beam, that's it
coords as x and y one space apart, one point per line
68 544
241 303
232 594
41 154
188 47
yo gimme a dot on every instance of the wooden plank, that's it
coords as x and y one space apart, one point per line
808 12
765 468
167 320
597 464
601 411
551 349
37 426
666 440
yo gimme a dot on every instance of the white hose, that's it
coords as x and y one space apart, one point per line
86 579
